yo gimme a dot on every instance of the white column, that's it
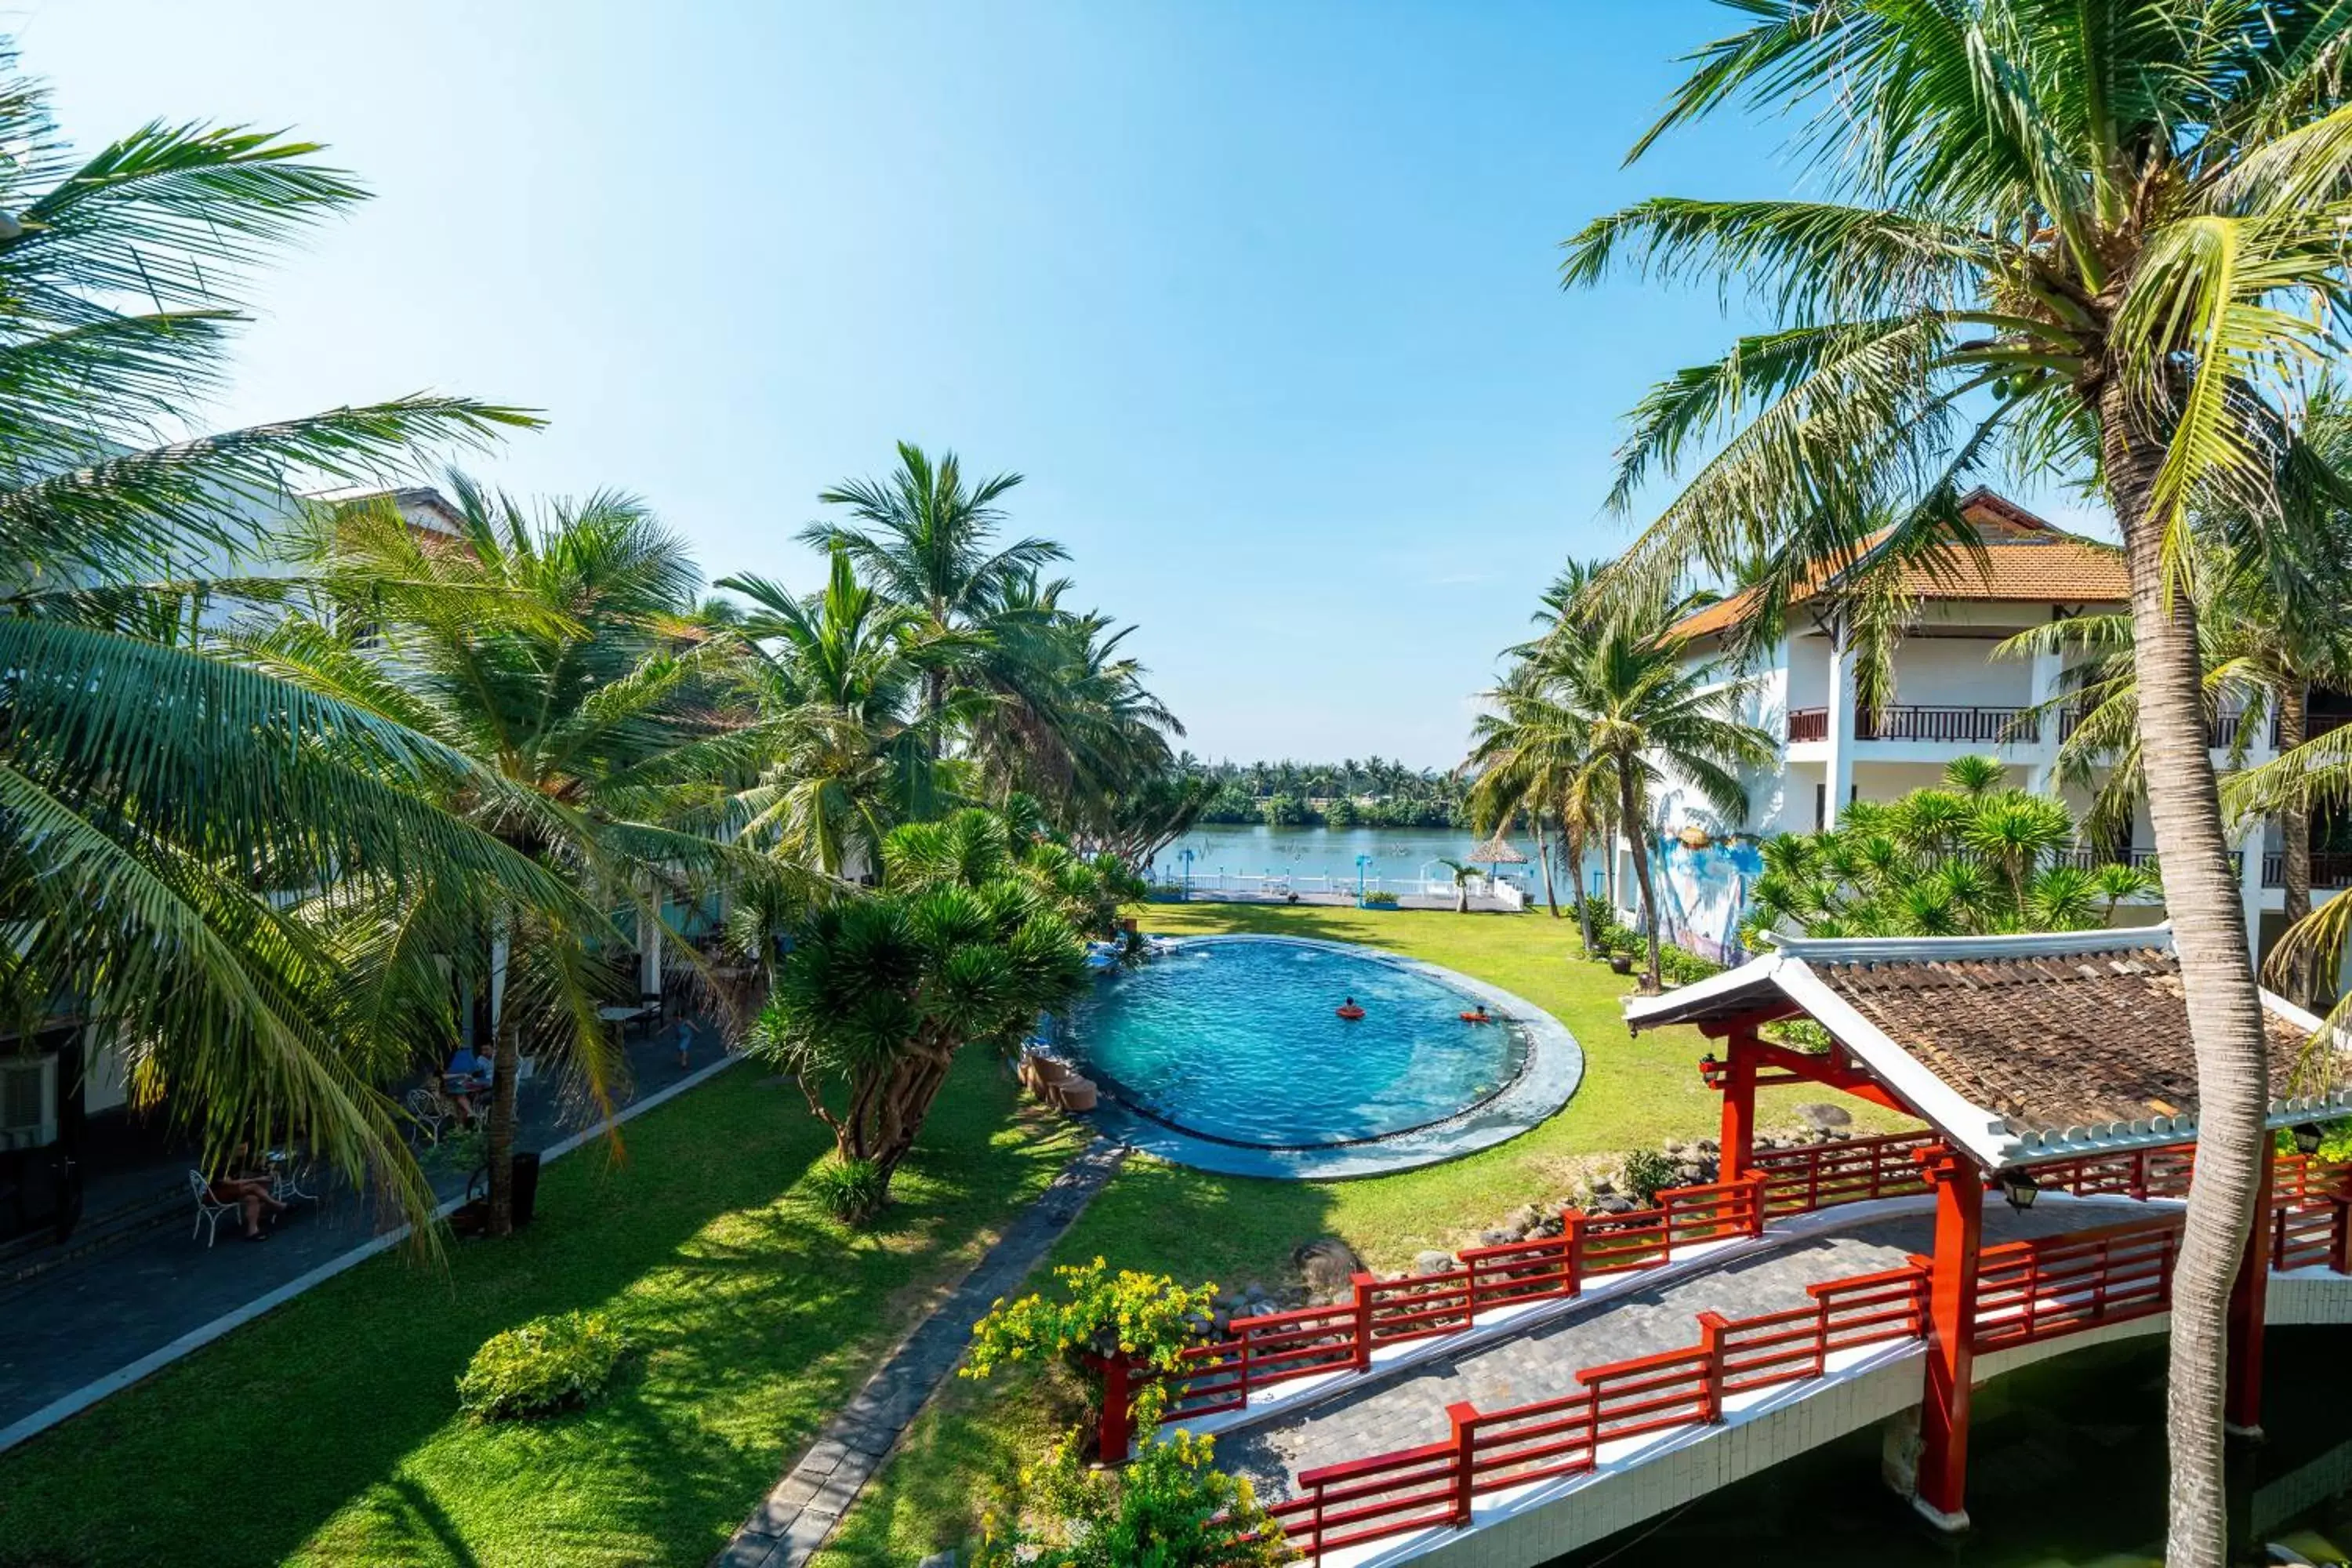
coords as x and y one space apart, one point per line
1769 806
497 979
649 953
1841 756
2250 890
2049 681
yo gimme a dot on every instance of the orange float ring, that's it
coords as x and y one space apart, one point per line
1350 1014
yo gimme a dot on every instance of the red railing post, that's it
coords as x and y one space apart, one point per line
1116 1431
2339 1238
1755 1180
1710 1343
1363 1346
1571 1250
1464 1418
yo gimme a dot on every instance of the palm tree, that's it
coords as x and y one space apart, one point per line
172 820
844 755
556 649
1646 711
1527 753
929 540
1070 721
2092 238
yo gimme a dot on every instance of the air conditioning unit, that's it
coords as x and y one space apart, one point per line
28 1101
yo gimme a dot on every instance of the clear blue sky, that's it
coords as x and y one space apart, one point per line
1261 298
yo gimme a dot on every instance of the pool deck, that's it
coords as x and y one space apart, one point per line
1555 1067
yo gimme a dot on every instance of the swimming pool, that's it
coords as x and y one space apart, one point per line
1234 1040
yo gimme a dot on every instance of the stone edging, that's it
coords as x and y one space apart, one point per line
800 1513
195 1339
1547 1080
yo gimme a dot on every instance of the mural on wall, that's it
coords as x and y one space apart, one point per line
1702 885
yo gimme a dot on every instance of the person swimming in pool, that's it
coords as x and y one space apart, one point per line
1348 1009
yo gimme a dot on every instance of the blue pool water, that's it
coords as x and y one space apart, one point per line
1238 1040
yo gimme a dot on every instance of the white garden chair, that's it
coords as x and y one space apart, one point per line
209 1208
429 1111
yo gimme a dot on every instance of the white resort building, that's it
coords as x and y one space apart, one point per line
1953 697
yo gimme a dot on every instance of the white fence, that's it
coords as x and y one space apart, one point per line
1276 885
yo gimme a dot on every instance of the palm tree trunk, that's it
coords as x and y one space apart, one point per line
1641 877
504 1061
2225 1020
1576 873
1608 865
2295 829
1543 858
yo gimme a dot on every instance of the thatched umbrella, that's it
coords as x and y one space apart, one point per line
1497 851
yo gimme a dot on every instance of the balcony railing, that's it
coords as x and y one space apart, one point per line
1905 722
1910 722
2313 725
2092 859
2329 869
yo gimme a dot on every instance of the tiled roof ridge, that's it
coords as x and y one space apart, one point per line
1967 578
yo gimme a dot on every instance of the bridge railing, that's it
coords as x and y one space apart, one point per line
2038 1290
2311 1215
1258 1352
1435 1484
1852 1170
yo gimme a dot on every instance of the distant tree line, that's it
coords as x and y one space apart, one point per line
1370 793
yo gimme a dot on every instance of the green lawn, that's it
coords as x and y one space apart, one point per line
1233 1229
328 1432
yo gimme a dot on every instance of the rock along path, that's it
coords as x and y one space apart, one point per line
796 1517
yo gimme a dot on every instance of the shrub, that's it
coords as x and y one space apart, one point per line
1146 1317
2335 1141
1685 968
850 1189
1379 900
1171 1507
1798 1034
1646 1172
546 1365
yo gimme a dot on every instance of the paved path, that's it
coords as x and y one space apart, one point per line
797 1516
1408 1408
95 1314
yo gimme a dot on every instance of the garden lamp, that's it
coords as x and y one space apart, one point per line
2019 1187
2308 1136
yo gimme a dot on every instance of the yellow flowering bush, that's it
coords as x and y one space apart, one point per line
1147 1318
1171 1508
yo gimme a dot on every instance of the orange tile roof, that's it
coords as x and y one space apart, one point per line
2025 559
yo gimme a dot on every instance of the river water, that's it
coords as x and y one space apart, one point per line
2066 1470
1398 855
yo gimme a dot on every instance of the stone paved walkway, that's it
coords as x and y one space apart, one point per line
1408 1408
95 1314
802 1510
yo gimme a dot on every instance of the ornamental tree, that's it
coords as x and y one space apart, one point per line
966 943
